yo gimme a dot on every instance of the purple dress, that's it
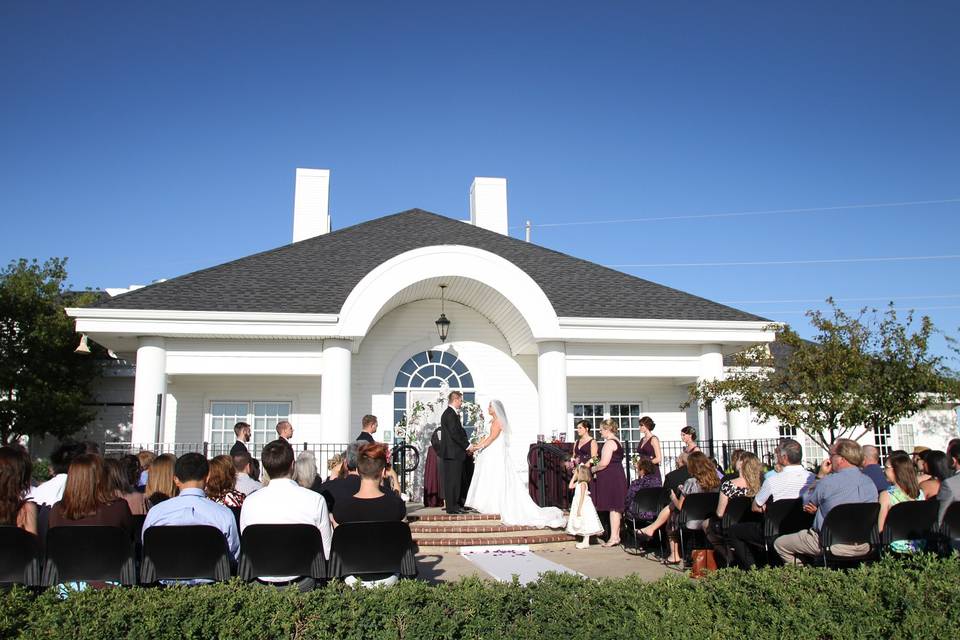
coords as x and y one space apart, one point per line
646 451
611 483
582 454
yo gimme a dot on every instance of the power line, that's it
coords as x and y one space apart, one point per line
804 300
785 262
739 214
898 309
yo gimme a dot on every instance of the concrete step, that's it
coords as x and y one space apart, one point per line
543 538
466 526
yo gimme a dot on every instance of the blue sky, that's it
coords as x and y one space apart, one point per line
148 140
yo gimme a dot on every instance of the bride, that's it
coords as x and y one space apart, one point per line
496 487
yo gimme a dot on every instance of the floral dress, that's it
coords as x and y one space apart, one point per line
231 498
731 490
904 546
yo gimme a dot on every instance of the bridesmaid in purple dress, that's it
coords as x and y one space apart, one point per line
650 444
611 480
586 447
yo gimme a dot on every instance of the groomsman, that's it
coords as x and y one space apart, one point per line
368 427
453 451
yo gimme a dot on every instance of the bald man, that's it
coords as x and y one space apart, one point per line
872 468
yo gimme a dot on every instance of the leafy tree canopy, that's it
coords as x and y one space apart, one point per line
44 385
860 372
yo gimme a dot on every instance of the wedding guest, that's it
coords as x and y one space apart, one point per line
283 501
242 431
746 484
650 444
950 488
160 484
937 466
918 453
586 447
583 520
902 487
647 478
15 509
343 487
131 468
221 482
87 499
703 479
244 484
735 456
689 437
675 479
336 467
305 471
370 503
50 492
611 480
872 469
118 484
145 458
368 427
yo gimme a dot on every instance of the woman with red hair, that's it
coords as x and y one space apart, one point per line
370 504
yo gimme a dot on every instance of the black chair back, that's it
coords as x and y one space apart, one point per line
698 506
785 516
20 557
950 527
854 523
915 520
372 548
236 515
79 553
281 550
647 501
184 553
738 510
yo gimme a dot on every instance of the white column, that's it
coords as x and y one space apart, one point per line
151 384
335 393
552 386
711 368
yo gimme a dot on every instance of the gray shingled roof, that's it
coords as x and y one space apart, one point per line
317 275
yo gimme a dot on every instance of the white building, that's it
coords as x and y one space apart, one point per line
341 323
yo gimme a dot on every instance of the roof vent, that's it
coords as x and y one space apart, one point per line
311 204
488 204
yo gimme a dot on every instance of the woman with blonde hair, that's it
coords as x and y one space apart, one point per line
160 484
746 484
611 479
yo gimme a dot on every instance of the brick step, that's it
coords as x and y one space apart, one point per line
467 527
544 537
446 517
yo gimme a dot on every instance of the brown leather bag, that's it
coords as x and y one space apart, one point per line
704 561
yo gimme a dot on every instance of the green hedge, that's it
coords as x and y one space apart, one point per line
919 598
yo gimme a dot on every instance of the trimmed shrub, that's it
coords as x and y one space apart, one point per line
914 598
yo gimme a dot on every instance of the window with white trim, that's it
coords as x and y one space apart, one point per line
261 416
883 440
905 436
625 414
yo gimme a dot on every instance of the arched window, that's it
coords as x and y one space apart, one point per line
423 375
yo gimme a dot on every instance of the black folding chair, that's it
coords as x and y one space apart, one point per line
236 515
915 520
950 529
650 500
854 523
194 552
372 550
738 510
81 553
20 557
696 506
780 518
281 550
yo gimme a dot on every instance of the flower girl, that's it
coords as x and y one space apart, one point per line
584 520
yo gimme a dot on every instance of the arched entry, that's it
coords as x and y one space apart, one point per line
422 377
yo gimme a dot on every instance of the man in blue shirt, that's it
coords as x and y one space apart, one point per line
873 469
191 506
840 482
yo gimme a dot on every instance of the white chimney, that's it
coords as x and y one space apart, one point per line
311 204
488 204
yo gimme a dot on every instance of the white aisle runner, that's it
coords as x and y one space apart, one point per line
504 562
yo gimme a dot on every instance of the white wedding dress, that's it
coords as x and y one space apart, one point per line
496 487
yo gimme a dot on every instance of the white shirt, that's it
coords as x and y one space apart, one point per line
246 485
283 501
785 485
50 492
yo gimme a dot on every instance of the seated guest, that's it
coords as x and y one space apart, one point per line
15 509
746 484
245 484
370 503
87 499
675 479
703 479
191 506
902 487
145 458
50 492
872 469
305 471
648 477
348 484
950 488
118 484
255 473
919 452
160 482
131 468
735 456
335 467
283 501
221 483
839 482
785 485
938 469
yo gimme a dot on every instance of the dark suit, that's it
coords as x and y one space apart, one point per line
238 448
365 437
453 451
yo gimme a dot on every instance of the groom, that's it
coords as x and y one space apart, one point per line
453 451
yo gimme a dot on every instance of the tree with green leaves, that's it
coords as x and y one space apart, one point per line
44 385
860 373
